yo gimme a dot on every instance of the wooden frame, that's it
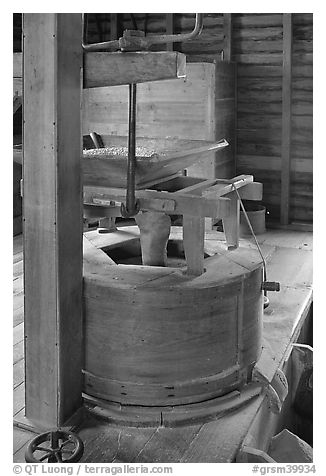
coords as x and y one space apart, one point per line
111 69
114 26
52 217
286 117
227 51
169 30
213 198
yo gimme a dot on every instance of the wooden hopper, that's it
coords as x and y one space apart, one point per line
156 159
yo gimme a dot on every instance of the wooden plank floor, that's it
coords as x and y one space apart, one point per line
289 259
20 436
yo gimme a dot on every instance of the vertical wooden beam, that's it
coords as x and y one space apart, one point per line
52 217
114 33
231 224
286 117
227 37
169 30
193 243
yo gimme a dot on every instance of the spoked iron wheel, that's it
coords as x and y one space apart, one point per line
54 447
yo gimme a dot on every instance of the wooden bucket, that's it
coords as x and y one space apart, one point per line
256 214
155 336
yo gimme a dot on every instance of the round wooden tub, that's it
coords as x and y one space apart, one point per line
158 337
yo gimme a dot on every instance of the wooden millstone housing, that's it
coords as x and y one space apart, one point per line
155 336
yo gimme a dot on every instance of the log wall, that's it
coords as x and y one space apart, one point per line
258 50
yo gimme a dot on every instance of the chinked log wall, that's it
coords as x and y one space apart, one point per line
258 50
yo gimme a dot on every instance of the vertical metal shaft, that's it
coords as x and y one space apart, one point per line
130 198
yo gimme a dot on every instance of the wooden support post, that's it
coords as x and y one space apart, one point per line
231 224
114 26
227 56
52 217
193 243
286 117
169 30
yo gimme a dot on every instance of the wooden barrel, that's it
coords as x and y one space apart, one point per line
157 336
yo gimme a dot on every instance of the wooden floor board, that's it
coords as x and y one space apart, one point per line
19 455
20 441
18 285
217 441
18 269
19 398
18 257
105 443
287 239
17 244
18 333
18 316
291 267
18 373
18 301
167 445
18 351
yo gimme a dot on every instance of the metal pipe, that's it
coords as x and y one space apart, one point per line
131 208
125 44
112 45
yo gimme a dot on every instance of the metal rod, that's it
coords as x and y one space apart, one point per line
122 43
130 208
112 45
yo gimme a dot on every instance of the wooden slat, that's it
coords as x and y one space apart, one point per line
18 333
17 65
173 203
286 117
18 351
111 69
53 231
254 58
169 29
211 444
177 440
193 242
227 36
221 188
19 398
271 163
120 444
231 224
20 439
114 34
18 301
18 376
17 102
248 20
197 188
18 316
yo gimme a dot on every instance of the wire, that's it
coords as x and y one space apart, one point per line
252 232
